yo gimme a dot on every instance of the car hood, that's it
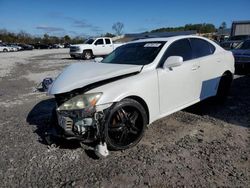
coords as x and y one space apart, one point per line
241 52
79 75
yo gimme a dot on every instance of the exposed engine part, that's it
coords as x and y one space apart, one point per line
83 125
86 125
101 150
65 122
99 118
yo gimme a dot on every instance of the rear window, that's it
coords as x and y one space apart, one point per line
212 48
201 47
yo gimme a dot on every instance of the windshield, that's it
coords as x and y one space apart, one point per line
244 45
89 41
140 53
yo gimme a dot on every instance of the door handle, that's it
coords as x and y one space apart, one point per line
195 67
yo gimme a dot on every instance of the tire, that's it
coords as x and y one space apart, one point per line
73 56
5 50
125 124
87 55
224 88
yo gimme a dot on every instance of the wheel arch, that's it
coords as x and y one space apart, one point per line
228 74
224 86
142 102
90 50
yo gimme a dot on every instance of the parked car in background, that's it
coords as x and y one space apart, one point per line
16 47
42 46
66 45
112 102
57 46
242 57
93 47
233 41
4 48
26 46
9 48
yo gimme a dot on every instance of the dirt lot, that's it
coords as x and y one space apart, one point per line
207 145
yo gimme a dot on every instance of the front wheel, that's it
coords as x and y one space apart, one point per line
87 55
125 124
73 56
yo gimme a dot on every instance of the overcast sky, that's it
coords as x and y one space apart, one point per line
94 17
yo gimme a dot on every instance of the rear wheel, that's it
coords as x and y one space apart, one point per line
125 125
224 87
5 50
87 54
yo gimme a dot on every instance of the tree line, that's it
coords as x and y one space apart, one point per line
200 28
23 37
26 38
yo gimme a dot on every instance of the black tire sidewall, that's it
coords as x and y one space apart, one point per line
123 103
223 88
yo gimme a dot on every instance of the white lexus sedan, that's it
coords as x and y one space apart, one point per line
112 101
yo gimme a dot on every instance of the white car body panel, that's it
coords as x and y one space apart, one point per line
163 90
146 84
183 79
65 82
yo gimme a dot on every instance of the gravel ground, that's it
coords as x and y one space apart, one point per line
206 145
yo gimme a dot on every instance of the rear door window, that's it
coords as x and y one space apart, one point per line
201 47
107 41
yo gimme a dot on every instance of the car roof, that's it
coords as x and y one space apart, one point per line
168 38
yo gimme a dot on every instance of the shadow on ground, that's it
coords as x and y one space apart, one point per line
40 116
235 110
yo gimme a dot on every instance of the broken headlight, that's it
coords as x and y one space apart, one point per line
81 101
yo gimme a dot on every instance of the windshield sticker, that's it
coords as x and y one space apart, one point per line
152 45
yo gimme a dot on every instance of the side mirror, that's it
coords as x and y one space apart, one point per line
98 59
173 61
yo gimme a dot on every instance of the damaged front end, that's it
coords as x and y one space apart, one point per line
77 117
78 114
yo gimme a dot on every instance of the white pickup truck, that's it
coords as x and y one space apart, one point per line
93 47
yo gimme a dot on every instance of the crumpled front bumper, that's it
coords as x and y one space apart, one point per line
79 125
